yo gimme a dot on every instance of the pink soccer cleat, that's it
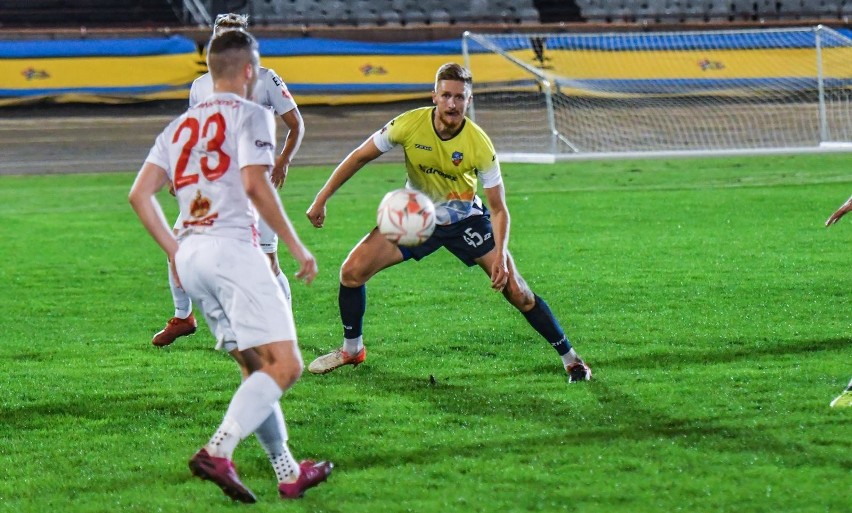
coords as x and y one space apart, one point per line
312 474
222 472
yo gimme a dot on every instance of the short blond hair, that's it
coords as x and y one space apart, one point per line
230 51
453 71
230 21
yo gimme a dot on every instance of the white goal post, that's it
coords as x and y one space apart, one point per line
546 97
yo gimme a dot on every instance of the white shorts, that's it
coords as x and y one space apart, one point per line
268 238
230 280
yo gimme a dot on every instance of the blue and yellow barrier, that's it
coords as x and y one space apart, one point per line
322 71
113 70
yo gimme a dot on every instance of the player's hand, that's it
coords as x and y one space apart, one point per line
171 188
279 174
499 273
316 214
307 265
840 212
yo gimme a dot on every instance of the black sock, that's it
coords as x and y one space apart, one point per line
542 319
353 305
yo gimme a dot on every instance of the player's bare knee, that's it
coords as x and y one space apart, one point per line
352 274
286 372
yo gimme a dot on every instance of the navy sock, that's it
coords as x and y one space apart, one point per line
353 305
543 321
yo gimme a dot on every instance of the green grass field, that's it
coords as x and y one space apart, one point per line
710 301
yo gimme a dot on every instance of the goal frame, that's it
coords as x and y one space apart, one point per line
561 148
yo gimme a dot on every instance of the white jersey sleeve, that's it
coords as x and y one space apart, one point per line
257 139
272 92
202 87
491 177
159 154
382 140
193 94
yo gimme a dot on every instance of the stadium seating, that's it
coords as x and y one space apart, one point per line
676 11
371 13
91 13
390 12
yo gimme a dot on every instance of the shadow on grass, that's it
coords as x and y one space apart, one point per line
590 414
728 351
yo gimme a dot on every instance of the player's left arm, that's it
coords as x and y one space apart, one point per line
496 197
150 180
296 126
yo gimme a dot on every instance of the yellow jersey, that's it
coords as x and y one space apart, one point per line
446 171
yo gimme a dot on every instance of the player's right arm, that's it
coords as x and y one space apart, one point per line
360 156
149 181
840 212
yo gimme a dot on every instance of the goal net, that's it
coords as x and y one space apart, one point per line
553 96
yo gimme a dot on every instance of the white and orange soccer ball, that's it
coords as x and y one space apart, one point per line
406 217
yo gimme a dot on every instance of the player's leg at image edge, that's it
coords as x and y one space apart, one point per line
843 400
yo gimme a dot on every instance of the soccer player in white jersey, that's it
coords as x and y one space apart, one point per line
845 398
446 155
218 155
270 92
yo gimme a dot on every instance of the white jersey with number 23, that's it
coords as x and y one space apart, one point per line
203 151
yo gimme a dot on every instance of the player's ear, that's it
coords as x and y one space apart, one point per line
434 97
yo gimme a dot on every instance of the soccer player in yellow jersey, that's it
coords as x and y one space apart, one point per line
446 155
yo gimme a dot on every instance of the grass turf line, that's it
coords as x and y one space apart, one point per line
707 296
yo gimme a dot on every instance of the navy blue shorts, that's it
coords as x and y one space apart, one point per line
468 240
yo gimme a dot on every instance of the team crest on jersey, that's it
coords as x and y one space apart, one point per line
457 157
199 209
200 205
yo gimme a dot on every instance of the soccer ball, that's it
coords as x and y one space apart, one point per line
406 217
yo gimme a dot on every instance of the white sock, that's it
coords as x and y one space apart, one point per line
272 435
183 304
353 345
285 285
225 439
252 403
570 357
286 468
